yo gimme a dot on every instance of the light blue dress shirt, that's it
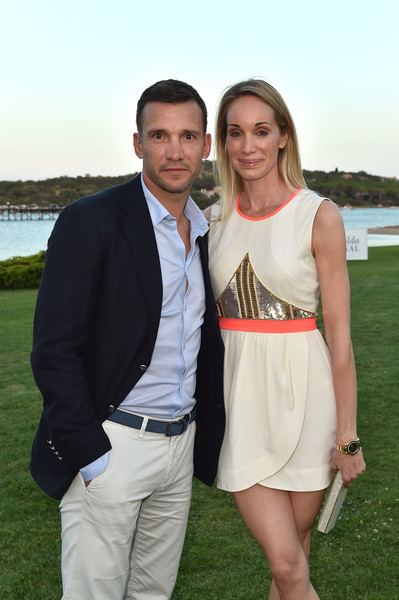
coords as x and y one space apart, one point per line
166 390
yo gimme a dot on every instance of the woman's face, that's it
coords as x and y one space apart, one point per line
253 138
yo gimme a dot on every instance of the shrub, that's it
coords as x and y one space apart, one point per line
21 272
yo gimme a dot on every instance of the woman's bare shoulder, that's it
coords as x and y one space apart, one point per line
328 215
328 230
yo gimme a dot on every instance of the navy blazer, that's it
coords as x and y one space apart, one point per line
96 322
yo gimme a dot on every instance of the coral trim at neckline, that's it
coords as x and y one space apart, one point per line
244 216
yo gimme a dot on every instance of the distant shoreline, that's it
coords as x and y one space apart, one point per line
388 230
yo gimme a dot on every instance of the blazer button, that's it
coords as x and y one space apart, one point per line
143 367
111 408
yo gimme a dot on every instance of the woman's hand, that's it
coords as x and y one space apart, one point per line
349 465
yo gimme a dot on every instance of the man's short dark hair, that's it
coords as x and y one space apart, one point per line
170 91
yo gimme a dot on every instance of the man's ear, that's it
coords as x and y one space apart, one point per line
207 145
137 145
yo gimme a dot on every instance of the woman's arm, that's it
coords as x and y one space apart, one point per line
329 249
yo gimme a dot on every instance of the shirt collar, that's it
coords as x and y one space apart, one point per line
198 223
157 210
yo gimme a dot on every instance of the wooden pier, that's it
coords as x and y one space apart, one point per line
27 213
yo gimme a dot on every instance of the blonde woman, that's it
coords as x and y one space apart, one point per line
290 398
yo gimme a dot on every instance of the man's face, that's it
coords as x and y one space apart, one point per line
172 144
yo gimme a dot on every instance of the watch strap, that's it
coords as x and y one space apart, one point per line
352 447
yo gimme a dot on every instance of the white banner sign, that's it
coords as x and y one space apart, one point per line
356 244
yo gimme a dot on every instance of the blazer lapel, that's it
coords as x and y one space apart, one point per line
209 298
139 232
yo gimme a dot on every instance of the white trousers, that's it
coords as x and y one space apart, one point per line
122 536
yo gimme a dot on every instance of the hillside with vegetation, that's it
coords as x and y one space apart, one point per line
354 189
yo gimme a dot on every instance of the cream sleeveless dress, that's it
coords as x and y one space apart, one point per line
279 396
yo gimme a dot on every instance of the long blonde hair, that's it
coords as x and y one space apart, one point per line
289 163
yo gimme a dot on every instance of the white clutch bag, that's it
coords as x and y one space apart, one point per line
333 502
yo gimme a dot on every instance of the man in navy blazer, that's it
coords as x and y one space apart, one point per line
128 357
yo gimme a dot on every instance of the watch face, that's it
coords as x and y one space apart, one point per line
353 447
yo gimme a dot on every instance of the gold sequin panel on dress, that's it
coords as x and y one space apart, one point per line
246 298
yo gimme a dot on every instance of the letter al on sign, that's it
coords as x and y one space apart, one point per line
356 244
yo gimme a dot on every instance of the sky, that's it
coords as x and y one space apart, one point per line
71 73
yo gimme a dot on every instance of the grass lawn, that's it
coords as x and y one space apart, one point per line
358 560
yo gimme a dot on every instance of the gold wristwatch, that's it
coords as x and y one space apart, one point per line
352 447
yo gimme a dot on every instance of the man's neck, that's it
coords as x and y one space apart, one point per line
174 202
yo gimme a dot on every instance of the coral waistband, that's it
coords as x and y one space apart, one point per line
268 325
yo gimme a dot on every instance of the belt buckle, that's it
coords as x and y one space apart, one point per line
182 424
168 431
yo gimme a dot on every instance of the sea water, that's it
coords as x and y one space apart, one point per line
22 238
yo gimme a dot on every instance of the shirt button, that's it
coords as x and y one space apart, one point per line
143 367
111 408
